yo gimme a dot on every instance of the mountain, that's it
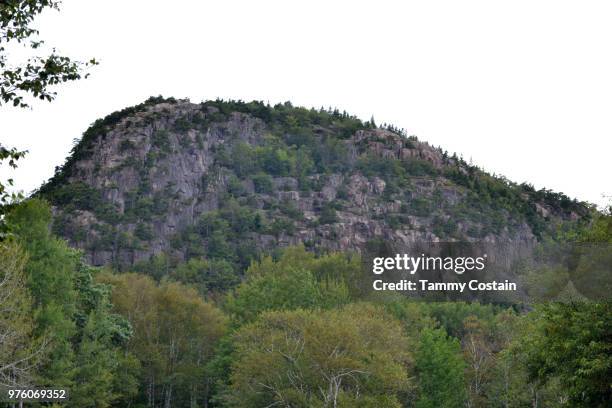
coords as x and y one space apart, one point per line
227 180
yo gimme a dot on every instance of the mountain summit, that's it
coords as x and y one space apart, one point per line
226 180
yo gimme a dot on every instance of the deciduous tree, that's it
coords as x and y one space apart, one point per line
19 352
352 357
176 333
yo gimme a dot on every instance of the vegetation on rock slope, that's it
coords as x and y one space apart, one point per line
223 181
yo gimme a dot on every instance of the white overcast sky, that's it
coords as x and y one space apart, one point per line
523 88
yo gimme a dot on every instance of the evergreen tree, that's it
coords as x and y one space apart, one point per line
83 338
439 368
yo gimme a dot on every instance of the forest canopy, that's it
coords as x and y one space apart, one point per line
294 333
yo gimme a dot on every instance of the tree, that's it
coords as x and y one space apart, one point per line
175 335
297 280
98 366
36 77
19 352
71 312
133 296
51 283
295 288
509 385
573 343
352 357
328 268
439 368
216 275
600 230
479 356
6 198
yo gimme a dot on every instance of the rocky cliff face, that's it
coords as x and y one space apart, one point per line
229 179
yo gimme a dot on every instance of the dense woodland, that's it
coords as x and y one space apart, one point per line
295 332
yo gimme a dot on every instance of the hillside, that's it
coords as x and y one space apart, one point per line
226 180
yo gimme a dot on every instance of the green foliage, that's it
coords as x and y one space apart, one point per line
297 280
572 342
295 120
420 207
293 289
83 338
235 187
99 365
371 165
8 199
161 140
491 194
263 183
417 167
331 155
277 162
157 266
331 267
439 366
328 214
141 205
413 316
394 169
182 125
18 346
599 231
289 150
352 357
216 275
143 232
81 196
38 75
51 266
444 228
452 315
126 145
288 208
281 226
223 234
175 333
